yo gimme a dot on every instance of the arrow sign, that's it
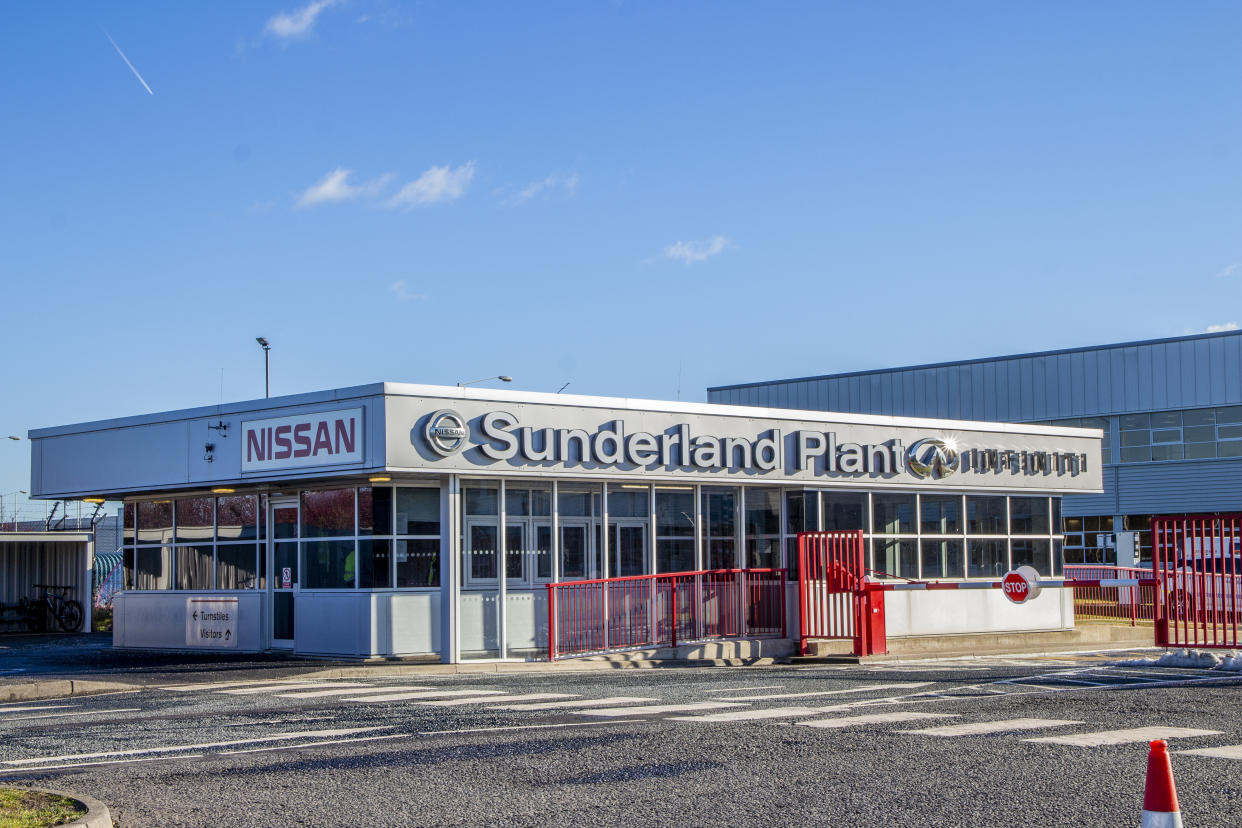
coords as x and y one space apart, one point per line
211 622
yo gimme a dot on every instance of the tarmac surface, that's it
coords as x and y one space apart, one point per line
1054 740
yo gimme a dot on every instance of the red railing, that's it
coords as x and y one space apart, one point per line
832 599
613 614
1112 603
1198 561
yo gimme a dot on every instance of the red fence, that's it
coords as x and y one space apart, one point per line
832 600
607 615
1112 603
1198 562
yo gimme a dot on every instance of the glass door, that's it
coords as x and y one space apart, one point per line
283 552
575 552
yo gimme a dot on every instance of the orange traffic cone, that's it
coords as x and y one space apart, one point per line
1160 809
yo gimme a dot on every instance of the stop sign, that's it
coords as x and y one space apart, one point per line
1021 585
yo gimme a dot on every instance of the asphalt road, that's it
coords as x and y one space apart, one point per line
760 746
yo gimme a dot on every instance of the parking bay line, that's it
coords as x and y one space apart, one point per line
302 734
873 718
985 728
866 688
1121 737
424 694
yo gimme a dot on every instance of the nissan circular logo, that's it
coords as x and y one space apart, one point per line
932 458
446 432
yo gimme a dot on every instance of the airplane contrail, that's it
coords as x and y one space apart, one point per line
127 63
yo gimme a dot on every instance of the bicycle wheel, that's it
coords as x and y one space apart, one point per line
70 616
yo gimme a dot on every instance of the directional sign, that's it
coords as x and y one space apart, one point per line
211 622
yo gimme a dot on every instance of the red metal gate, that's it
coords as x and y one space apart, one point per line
833 599
1198 567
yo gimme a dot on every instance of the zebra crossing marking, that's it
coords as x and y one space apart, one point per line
217 685
752 715
873 718
423 694
484 699
648 709
611 700
1224 752
345 691
863 689
276 688
984 728
1102 738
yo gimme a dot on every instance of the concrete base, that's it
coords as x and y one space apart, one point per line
1083 637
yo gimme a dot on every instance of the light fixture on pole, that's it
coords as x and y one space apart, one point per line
502 378
14 437
2 497
267 365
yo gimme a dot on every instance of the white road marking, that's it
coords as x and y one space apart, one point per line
649 709
1122 737
302 734
577 703
863 689
39 707
276 688
353 688
424 694
873 718
983 728
1226 752
734 689
483 699
216 685
518 727
750 715
80 713
314 744
108 762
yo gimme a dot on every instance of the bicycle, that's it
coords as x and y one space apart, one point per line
67 612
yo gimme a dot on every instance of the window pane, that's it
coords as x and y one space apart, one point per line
941 514
573 552
1028 516
763 553
985 516
127 565
328 513
896 557
763 511
1166 419
1232 414
374 563
720 512
1129 421
482 500
1168 435
285 523
541 502
1199 434
418 563
1056 515
194 567
517 502
892 513
1198 451
543 549
328 564
987 558
418 511
196 518
481 549
1229 448
1030 552
1199 417
675 555
515 552
1173 452
844 512
943 559
1096 422
575 504
1229 432
1135 438
627 502
237 518
375 511
127 524
1141 454
674 514
1073 524
801 512
235 566
285 556
154 567
155 522
720 554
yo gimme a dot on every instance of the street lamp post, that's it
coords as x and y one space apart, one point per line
267 365
2 497
502 378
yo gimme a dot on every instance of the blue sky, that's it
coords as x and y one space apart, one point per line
634 198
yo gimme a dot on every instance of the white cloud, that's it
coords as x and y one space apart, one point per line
696 251
1228 326
297 23
1229 271
403 293
436 184
335 186
568 183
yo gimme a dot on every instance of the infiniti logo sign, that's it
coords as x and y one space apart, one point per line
446 432
932 458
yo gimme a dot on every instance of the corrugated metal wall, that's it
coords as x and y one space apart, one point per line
1187 372
25 563
1191 372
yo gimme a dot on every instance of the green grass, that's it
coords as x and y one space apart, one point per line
101 620
32 809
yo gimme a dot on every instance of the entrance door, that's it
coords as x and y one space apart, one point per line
575 552
283 550
627 552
